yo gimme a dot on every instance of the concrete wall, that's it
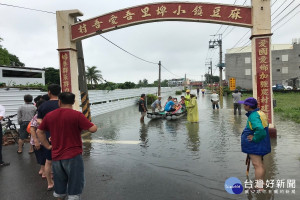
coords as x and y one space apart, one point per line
236 66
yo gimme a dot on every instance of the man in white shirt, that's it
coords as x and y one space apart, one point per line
215 100
2 115
236 98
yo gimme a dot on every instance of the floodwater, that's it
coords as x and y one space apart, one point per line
162 159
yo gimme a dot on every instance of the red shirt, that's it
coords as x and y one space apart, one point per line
65 126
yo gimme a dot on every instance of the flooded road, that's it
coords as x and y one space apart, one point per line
163 159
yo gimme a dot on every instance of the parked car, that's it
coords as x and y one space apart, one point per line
288 87
278 87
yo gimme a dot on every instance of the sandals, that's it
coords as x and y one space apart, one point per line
50 188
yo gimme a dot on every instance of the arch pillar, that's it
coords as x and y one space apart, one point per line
68 53
262 58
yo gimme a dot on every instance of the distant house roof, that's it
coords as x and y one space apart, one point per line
15 67
247 49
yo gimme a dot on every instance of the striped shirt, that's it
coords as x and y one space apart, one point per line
26 112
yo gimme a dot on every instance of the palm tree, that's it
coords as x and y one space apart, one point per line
93 74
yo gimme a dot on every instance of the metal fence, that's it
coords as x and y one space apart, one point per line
102 101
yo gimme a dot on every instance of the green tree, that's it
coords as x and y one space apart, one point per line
93 75
145 82
163 83
126 85
4 57
51 76
7 58
208 78
14 61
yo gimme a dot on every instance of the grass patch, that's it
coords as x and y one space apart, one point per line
288 105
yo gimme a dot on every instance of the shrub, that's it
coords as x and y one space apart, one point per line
151 98
178 92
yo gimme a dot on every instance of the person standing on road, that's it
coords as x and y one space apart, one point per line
25 115
156 104
236 98
214 100
34 141
198 90
44 109
255 139
142 107
192 114
65 126
2 115
187 98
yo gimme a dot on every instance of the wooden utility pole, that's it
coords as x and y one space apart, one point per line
159 78
85 103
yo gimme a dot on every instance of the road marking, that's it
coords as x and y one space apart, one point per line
111 141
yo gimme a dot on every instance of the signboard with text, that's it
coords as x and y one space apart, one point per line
65 73
264 88
232 85
179 11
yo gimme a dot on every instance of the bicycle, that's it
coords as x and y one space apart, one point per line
9 128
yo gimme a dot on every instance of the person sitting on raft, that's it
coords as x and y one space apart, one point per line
169 105
182 102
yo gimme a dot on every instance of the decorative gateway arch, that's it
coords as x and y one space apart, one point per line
257 17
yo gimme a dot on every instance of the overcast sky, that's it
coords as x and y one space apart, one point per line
182 47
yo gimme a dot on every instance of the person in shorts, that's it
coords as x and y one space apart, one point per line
2 115
255 139
25 115
156 104
65 126
142 107
44 109
34 141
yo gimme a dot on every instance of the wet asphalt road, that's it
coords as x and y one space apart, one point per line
160 159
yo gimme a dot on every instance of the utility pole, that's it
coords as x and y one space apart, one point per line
210 80
159 78
85 103
212 44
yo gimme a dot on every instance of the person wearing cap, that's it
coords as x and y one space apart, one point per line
187 98
255 139
236 95
142 107
156 104
192 108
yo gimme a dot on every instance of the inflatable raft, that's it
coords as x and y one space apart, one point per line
177 114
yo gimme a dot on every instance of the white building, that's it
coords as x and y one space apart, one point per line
21 75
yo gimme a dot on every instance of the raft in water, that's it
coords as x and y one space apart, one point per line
177 114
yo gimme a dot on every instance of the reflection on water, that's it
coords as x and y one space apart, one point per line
193 133
173 147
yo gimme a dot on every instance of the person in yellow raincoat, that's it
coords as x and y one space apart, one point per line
187 98
192 108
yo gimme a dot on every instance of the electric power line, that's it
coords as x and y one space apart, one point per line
285 15
278 8
128 51
49 12
283 10
273 3
286 21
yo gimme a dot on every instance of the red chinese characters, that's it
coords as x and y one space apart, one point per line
263 75
163 12
65 73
